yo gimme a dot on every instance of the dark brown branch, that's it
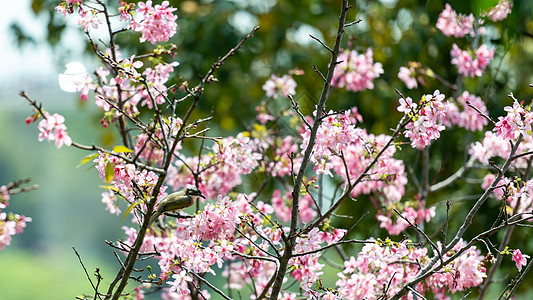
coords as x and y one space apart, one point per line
132 255
289 242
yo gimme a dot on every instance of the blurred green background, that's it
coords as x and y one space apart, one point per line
66 209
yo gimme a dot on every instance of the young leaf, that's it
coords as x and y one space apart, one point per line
129 209
109 187
87 159
121 149
109 172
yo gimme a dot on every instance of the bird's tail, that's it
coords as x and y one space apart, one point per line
154 217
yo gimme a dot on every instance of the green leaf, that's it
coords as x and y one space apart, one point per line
109 187
129 209
121 149
87 159
109 172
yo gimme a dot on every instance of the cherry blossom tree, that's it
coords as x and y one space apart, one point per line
271 242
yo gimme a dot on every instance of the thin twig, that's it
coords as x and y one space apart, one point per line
296 108
321 43
87 274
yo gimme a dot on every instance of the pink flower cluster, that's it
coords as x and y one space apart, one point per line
490 146
356 71
150 146
4 196
388 176
230 159
87 18
216 222
464 272
336 132
394 264
306 268
514 193
126 180
471 66
157 78
280 86
396 225
110 201
283 206
426 118
85 86
457 25
495 143
518 120
500 11
339 142
407 74
52 129
467 117
158 24
182 250
282 164
10 224
107 94
126 10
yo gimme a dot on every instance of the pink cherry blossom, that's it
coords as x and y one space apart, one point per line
147 147
356 71
109 199
396 225
126 10
230 160
7 230
516 121
89 19
179 285
407 76
53 129
467 117
157 78
11 226
216 221
519 259
469 65
426 119
4 196
85 86
126 179
457 25
280 86
336 132
382 264
490 146
158 24
283 205
500 11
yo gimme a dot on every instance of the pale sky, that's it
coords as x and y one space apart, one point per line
34 68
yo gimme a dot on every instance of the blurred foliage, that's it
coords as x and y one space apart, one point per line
398 31
45 270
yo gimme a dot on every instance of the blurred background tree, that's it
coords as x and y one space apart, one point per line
398 31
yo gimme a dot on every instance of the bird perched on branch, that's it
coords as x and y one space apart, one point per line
176 201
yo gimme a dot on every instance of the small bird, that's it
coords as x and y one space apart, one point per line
176 201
